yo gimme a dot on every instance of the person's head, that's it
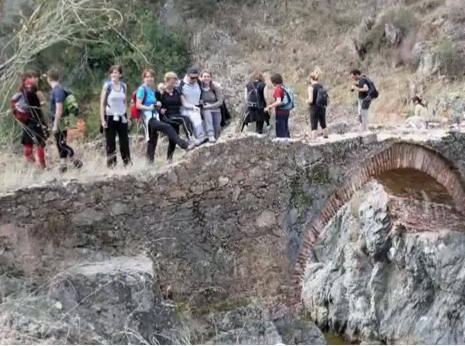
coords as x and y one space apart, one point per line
257 77
276 79
148 76
193 75
170 79
355 74
115 72
33 75
315 75
206 78
53 76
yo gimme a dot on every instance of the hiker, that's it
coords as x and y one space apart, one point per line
254 95
283 104
191 91
27 109
148 106
170 111
318 100
58 114
113 116
211 100
366 93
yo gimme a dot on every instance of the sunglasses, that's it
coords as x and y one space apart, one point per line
194 78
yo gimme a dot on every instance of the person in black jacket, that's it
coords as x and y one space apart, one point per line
170 112
254 95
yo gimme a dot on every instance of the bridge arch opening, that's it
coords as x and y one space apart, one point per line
406 170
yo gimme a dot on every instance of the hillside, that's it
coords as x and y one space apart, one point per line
409 47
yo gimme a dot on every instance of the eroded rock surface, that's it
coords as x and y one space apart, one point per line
371 280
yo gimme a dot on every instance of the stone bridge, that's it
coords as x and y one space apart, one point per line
237 218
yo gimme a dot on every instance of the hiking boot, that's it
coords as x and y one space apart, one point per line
77 164
63 169
191 145
211 139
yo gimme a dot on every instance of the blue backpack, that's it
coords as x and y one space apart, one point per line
288 101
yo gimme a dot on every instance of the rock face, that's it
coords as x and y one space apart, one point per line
373 281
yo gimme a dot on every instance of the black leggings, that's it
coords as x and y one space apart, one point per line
156 125
64 150
121 129
317 115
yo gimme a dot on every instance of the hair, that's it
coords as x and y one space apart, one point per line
161 87
192 70
206 71
169 75
316 74
115 67
257 76
276 78
356 72
53 75
147 70
418 100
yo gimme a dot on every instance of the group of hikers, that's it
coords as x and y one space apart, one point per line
195 104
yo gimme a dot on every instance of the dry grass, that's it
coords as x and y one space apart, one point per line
15 173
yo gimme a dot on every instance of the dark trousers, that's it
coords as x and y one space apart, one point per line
172 144
121 129
259 126
156 125
282 126
317 115
64 150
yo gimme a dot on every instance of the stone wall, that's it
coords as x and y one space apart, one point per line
229 220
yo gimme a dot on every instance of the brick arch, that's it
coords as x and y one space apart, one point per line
398 156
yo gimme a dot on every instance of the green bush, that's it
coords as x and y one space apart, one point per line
401 18
138 42
451 59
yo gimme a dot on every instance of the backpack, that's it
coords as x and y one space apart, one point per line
322 97
70 105
20 107
372 91
288 102
108 91
135 112
253 98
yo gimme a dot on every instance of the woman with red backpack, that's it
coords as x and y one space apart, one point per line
26 107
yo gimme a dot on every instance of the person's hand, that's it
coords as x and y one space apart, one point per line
104 124
352 88
55 129
266 109
195 108
163 111
158 104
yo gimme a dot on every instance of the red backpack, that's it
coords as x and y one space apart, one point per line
20 108
135 113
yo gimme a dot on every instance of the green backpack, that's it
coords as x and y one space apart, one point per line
70 110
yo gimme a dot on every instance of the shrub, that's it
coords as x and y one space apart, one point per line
451 59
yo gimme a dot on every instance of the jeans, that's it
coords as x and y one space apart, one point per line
212 120
282 126
121 129
363 105
155 125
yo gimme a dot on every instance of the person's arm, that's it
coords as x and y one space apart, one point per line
274 104
310 94
187 105
364 88
58 114
246 95
140 97
102 107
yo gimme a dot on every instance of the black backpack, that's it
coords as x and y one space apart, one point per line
372 91
322 97
253 96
